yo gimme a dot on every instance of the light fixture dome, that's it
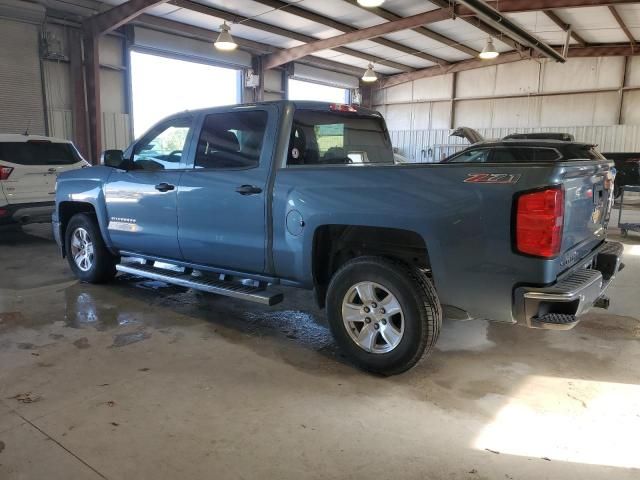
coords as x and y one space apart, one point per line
225 41
369 74
489 51
370 3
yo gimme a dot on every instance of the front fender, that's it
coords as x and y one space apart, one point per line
86 186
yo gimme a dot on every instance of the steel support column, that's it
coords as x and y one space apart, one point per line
78 99
92 79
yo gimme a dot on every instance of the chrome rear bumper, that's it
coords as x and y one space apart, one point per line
560 305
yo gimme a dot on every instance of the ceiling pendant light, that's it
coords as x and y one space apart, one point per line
369 74
225 40
370 3
489 51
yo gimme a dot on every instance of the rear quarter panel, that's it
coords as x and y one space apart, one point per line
466 226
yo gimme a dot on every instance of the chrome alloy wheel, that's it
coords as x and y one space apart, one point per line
82 249
373 317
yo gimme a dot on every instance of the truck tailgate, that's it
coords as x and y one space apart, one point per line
588 202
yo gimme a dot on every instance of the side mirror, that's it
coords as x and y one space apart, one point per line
113 158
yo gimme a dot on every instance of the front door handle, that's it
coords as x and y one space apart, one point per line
248 190
165 187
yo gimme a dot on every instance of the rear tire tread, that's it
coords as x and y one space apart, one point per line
425 296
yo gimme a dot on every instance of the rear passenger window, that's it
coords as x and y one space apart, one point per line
231 140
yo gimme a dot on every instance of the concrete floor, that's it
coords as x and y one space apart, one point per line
138 380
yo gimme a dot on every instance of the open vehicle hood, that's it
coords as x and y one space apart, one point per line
472 136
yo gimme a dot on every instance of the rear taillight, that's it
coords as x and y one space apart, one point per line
5 172
539 221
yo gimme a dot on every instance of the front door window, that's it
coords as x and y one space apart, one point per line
162 147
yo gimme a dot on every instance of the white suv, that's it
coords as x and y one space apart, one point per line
29 165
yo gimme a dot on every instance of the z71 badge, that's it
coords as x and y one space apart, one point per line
496 178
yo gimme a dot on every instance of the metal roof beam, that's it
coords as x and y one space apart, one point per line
294 53
623 25
265 27
565 27
198 33
514 6
589 51
343 27
115 17
388 15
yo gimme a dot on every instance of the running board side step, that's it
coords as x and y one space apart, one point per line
220 287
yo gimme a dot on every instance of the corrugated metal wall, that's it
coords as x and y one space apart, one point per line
433 145
592 98
21 106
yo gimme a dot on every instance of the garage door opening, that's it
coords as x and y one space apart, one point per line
300 90
162 86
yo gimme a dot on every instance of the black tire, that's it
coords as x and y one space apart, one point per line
103 266
416 295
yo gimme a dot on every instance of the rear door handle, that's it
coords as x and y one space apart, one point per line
248 190
165 187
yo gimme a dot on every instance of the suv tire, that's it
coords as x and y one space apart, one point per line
88 257
383 313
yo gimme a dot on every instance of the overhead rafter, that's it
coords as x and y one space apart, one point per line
479 24
623 25
590 51
343 27
405 23
191 31
115 17
390 16
515 6
249 22
565 27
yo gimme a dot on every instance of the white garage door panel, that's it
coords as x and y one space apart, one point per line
187 48
307 73
20 81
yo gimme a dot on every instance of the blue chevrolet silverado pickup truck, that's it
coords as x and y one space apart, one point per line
241 199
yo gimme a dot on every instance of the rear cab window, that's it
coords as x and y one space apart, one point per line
39 152
338 138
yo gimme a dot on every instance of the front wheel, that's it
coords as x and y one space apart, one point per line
384 314
86 252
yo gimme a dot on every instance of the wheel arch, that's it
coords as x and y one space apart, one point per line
67 209
333 245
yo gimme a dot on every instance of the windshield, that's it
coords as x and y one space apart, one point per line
331 138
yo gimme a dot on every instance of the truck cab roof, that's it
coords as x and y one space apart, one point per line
298 104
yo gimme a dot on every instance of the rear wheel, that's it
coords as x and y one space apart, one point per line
384 314
86 252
